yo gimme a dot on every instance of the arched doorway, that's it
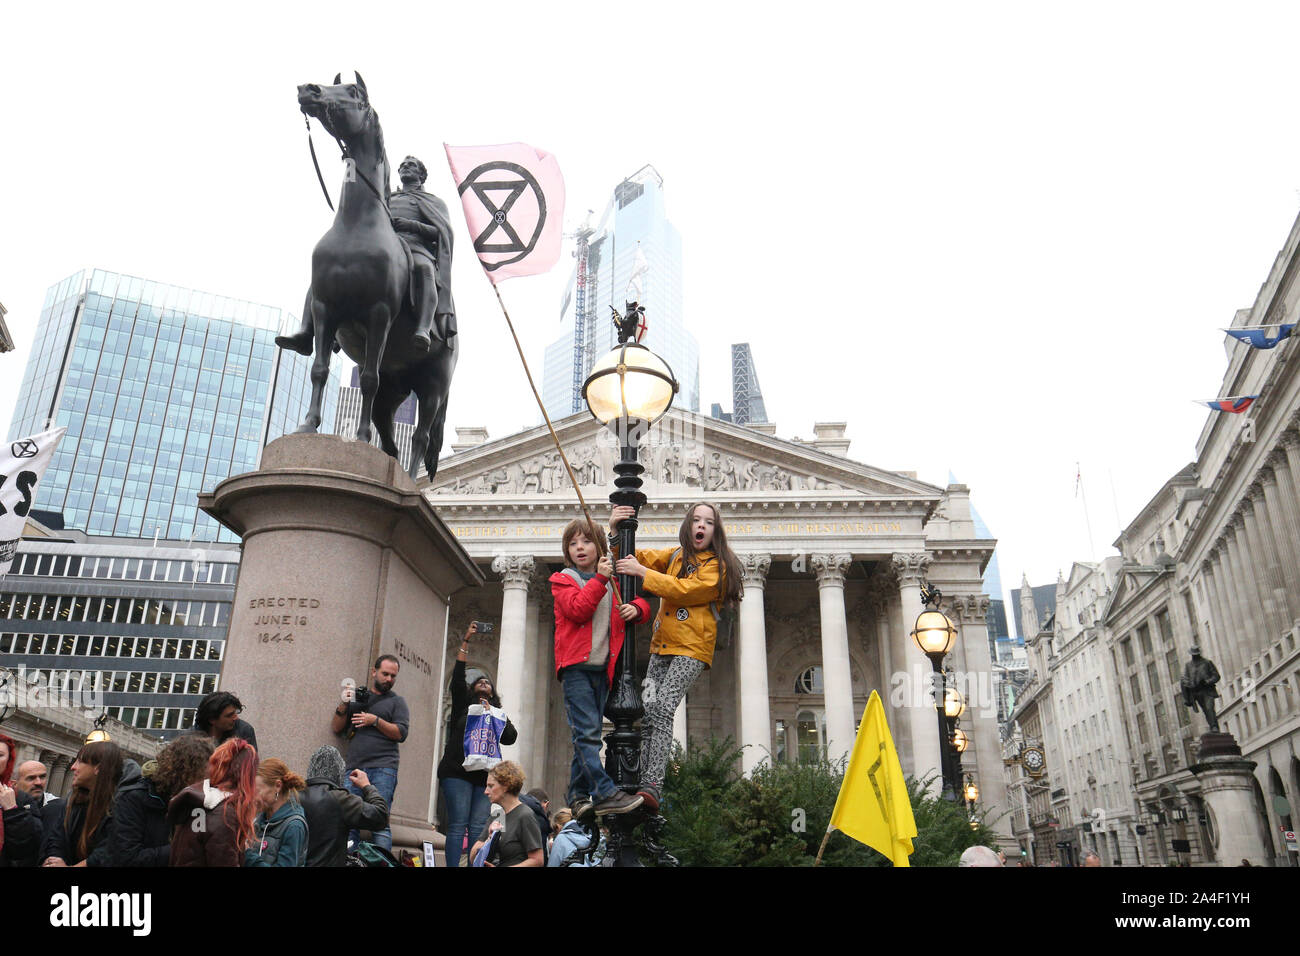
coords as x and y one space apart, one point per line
1261 819
1281 808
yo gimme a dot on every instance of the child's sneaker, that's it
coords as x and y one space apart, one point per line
618 802
649 795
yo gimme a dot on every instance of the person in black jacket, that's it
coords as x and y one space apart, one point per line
140 835
462 790
218 716
332 811
80 836
20 821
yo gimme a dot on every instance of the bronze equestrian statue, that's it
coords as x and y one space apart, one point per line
380 282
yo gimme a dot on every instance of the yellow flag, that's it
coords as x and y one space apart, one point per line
873 806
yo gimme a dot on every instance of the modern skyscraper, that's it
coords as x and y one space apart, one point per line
165 392
641 239
747 406
349 417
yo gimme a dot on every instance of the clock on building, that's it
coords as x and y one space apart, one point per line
1031 758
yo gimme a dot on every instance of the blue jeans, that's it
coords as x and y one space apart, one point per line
467 811
385 781
585 693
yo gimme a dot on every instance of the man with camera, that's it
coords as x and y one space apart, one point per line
375 721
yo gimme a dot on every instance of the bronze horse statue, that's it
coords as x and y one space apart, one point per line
360 288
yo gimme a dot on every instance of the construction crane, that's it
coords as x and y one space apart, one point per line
583 234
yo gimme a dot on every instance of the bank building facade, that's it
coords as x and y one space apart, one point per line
833 552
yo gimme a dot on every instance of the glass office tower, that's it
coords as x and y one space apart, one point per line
640 224
165 392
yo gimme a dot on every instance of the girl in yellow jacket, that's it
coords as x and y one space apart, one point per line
694 584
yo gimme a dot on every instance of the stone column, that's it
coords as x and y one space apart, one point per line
1271 532
1214 636
1241 592
983 759
516 571
1227 781
837 675
1280 493
1261 558
1291 451
526 695
543 683
919 702
58 779
1229 602
679 724
755 717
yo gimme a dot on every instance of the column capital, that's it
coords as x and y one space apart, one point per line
1237 522
971 607
1277 459
830 568
1255 493
754 567
910 567
1290 438
1266 474
515 569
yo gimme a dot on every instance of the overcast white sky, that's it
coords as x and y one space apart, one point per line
996 238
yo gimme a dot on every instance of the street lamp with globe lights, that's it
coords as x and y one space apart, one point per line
628 390
936 635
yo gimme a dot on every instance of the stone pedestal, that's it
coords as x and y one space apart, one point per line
1227 784
343 560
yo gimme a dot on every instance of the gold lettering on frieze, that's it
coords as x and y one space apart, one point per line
670 530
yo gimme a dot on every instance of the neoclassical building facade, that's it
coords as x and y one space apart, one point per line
834 553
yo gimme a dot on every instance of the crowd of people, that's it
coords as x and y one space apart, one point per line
210 799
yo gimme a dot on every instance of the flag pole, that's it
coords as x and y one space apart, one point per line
582 502
820 849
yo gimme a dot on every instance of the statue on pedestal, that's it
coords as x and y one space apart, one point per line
1198 686
380 282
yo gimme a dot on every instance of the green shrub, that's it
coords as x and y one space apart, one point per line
778 815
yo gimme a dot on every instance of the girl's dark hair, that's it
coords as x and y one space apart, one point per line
182 763
730 585
210 709
98 800
493 698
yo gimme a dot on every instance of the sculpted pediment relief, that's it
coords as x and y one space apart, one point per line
703 458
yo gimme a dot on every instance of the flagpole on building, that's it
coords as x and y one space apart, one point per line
1092 550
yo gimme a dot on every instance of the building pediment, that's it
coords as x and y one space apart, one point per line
686 456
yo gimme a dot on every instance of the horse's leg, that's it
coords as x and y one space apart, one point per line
376 336
426 404
387 398
320 366
441 388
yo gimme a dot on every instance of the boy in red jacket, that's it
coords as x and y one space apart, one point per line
588 637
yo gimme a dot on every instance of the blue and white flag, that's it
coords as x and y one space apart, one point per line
1259 338
22 465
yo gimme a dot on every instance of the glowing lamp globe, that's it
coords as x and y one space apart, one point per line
629 385
934 633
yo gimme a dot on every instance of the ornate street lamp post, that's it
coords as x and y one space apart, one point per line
628 390
935 635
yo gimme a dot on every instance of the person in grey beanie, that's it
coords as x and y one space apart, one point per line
332 811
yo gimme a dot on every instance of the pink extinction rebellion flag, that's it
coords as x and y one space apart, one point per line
513 197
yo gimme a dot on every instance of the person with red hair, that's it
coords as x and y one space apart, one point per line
20 824
212 821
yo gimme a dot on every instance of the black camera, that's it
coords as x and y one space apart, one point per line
484 627
361 695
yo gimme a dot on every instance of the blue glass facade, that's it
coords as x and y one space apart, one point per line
165 392
640 223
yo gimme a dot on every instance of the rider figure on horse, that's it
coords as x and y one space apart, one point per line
421 221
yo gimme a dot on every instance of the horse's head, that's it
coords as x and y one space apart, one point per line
343 109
